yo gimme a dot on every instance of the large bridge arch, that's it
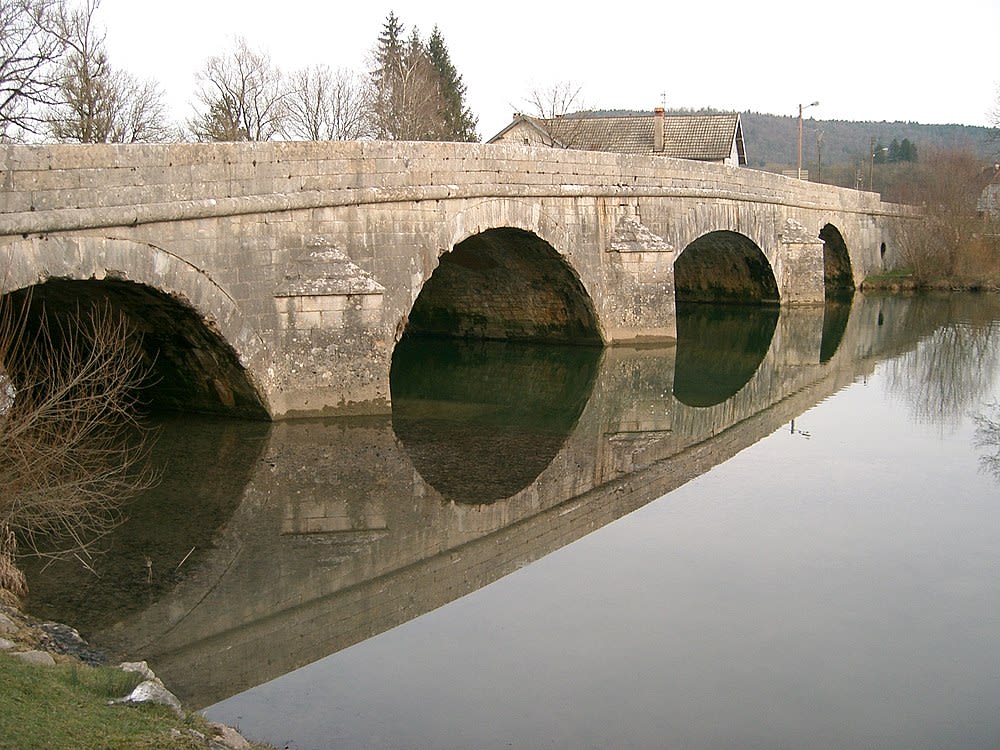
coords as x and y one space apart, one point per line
192 333
502 277
724 266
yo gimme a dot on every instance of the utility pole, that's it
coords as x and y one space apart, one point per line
801 108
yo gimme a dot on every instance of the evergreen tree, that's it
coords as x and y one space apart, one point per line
417 93
907 150
894 151
459 121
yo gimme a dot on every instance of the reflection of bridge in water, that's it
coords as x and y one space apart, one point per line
344 530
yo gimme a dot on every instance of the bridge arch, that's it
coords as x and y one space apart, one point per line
189 327
724 266
502 279
838 275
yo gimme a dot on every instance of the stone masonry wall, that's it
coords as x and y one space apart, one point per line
308 257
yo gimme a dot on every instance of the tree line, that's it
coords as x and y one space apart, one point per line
57 83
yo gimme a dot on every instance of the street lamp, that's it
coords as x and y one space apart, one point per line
801 109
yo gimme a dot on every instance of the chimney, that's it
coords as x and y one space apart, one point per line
658 130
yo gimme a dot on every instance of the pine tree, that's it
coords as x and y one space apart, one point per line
417 93
386 76
459 121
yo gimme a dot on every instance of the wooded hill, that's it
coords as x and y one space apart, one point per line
772 141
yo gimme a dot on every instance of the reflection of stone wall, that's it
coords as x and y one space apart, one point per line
338 537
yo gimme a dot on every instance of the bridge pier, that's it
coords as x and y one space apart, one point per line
801 271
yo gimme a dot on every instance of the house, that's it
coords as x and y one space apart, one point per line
989 198
713 138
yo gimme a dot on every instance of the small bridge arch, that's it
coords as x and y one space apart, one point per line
838 274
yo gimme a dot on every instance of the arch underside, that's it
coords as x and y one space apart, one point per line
724 266
190 366
838 277
505 284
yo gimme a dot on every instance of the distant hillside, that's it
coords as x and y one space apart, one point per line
772 141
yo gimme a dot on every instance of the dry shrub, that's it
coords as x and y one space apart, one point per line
70 448
947 245
12 584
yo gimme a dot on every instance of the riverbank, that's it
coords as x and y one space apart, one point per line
58 692
895 282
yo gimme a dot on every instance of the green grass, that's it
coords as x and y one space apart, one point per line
65 707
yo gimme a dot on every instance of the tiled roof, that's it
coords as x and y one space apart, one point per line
701 137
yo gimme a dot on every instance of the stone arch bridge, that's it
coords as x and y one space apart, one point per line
274 279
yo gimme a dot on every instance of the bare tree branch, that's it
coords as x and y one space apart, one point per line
30 47
326 105
70 449
241 97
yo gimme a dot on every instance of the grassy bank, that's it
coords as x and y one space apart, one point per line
66 706
906 280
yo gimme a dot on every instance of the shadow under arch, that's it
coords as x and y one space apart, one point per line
480 420
505 284
838 276
191 367
724 266
719 348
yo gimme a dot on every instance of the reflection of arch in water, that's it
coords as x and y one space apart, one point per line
481 420
203 465
719 348
836 313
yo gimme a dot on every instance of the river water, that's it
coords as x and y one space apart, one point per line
784 532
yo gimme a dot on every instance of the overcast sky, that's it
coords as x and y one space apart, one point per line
871 60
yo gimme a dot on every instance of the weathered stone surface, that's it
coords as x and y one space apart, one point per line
152 691
139 667
227 737
349 234
7 625
6 645
37 658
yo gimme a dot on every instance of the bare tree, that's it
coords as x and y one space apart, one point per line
946 186
96 103
561 108
69 452
240 97
29 48
557 100
327 105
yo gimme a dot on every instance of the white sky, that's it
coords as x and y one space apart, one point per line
874 60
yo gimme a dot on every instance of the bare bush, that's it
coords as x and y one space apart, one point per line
946 186
12 583
70 448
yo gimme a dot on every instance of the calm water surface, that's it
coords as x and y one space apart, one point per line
784 533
